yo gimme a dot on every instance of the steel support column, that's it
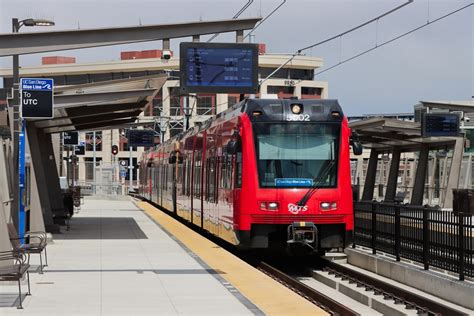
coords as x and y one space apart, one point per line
454 172
420 176
393 175
369 184
46 180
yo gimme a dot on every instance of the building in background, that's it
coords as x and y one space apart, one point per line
166 112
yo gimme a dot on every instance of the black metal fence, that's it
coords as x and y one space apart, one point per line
433 237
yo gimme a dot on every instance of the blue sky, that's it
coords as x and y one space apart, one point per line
435 63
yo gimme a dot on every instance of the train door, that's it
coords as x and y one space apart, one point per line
196 182
196 194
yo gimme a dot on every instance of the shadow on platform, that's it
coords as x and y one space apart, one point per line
103 228
10 300
141 271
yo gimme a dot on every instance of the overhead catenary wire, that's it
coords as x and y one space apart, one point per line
249 2
299 51
265 18
393 39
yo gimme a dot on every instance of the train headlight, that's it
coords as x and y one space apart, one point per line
326 206
273 206
296 109
269 206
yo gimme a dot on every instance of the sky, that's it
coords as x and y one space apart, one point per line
434 63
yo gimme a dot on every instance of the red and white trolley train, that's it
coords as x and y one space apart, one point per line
262 173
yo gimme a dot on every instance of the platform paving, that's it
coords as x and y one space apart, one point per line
116 261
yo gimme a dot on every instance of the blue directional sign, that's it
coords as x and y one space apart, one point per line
36 95
123 173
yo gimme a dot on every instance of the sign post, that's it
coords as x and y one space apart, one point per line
36 101
21 182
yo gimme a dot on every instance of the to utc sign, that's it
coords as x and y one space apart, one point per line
36 95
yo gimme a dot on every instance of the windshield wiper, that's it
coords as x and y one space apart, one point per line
316 182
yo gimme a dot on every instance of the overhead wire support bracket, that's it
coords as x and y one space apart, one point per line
249 2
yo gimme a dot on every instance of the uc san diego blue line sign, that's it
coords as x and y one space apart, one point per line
36 98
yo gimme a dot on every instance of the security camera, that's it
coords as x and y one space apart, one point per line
467 119
166 54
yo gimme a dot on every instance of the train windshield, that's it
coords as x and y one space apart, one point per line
292 155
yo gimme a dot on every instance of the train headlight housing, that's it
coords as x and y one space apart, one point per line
269 206
328 206
273 206
296 108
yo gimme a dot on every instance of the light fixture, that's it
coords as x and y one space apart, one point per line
326 206
37 22
269 206
296 108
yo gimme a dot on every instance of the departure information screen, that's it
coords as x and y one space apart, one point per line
219 67
440 124
140 138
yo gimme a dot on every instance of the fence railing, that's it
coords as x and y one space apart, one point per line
429 236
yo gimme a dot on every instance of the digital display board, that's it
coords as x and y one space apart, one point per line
70 138
219 67
141 138
80 150
440 124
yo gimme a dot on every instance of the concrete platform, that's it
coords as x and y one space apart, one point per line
430 283
117 260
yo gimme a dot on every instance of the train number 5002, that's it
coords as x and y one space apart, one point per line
298 117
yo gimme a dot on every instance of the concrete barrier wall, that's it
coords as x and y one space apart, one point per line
446 287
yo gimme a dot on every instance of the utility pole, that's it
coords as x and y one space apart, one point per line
130 166
93 161
15 129
14 113
186 114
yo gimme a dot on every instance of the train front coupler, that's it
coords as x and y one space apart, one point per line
302 233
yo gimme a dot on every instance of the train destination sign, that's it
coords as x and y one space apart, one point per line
293 182
141 138
219 67
440 124
70 138
36 98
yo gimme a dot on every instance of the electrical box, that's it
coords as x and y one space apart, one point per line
463 201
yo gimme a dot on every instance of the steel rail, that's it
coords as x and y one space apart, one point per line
311 294
399 295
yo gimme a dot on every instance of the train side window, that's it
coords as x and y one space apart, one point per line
183 176
197 175
188 186
223 175
238 170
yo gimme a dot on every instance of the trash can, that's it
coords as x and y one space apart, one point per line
76 195
463 201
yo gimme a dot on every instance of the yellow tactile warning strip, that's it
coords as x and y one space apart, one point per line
267 294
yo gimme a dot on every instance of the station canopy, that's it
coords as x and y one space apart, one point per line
101 105
384 134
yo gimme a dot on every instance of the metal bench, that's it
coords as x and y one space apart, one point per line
37 243
13 266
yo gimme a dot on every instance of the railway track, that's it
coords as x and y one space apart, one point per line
318 298
412 301
287 273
